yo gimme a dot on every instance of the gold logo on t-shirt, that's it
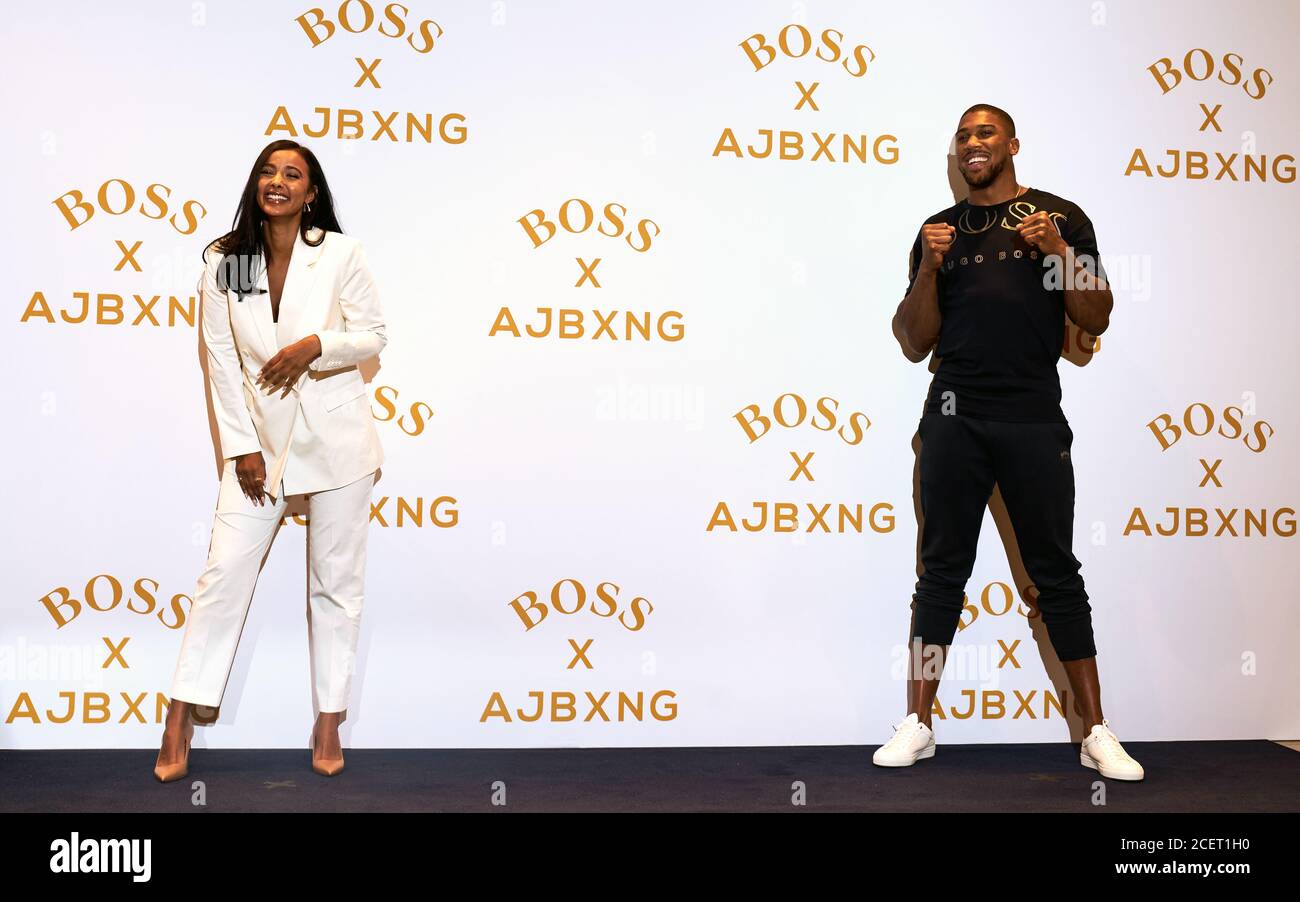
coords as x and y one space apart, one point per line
963 222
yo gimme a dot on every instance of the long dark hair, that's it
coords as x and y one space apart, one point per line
243 244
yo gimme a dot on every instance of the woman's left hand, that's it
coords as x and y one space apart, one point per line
283 370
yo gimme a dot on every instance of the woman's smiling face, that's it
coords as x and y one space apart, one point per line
282 185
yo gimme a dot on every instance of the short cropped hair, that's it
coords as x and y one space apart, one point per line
1000 113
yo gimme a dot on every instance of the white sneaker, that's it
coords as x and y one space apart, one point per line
1102 752
912 741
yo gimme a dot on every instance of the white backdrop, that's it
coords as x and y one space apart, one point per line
602 460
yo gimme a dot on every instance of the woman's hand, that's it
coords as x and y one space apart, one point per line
283 370
250 470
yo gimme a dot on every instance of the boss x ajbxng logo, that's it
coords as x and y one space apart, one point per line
837 55
577 216
118 197
1239 160
575 602
791 411
1213 517
394 22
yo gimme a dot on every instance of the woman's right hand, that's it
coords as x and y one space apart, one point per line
250 470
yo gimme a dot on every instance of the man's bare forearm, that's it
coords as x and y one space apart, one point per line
919 318
1088 300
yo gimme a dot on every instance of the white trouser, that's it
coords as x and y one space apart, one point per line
337 527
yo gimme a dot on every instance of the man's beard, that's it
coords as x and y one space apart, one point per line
986 177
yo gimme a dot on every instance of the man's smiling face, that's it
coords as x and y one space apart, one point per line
983 147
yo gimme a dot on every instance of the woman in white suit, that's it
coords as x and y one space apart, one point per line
289 309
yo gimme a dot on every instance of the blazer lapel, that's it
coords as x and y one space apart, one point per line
297 288
261 310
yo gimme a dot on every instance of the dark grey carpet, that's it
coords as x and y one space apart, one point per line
1181 777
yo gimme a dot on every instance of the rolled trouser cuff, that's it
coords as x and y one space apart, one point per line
934 624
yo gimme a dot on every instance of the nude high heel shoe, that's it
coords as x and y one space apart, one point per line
326 767
166 773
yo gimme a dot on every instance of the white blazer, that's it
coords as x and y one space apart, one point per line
321 435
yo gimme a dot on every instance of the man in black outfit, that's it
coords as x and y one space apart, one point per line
991 281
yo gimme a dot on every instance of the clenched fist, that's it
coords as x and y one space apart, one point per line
936 240
1040 232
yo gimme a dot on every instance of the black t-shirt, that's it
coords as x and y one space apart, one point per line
1002 328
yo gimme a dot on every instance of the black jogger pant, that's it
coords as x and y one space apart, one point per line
961 459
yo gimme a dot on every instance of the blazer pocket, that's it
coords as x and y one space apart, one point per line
341 396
